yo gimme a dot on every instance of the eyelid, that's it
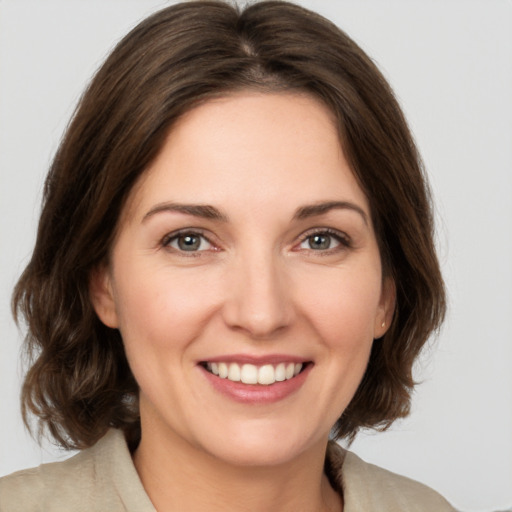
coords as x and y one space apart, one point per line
343 239
169 237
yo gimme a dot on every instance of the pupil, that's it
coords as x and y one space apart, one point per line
189 242
319 242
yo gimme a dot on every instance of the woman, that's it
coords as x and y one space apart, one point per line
234 264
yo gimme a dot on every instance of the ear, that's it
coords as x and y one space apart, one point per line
386 308
102 295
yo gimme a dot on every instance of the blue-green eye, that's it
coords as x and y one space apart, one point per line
323 241
188 242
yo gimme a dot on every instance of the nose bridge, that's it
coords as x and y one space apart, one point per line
258 299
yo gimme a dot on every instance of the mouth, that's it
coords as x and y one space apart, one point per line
251 374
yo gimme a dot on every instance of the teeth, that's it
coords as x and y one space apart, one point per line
266 375
249 374
234 372
252 374
280 373
223 370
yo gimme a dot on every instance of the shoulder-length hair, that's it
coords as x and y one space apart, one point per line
79 383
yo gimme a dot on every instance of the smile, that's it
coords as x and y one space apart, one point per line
264 375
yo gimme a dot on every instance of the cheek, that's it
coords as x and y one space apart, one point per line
342 305
162 308
341 310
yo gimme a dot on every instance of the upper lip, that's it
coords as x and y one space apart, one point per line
256 360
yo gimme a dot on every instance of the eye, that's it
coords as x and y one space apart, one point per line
324 240
188 242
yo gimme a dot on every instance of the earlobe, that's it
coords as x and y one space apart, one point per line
102 296
386 308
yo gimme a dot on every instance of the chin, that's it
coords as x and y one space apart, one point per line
255 447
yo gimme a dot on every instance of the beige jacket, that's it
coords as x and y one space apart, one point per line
103 479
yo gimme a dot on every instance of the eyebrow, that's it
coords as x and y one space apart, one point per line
313 210
204 211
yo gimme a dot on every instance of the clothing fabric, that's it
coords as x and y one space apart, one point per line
103 479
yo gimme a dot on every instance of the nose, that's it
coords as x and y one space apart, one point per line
258 300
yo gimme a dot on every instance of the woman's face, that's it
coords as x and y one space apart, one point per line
247 252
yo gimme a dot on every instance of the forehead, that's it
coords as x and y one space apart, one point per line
261 144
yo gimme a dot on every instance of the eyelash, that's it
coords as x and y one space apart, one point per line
340 237
171 237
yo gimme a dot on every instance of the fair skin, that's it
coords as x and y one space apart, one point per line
248 242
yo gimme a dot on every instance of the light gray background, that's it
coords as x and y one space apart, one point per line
450 63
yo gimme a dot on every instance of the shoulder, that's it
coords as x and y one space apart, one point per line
99 478
371 488
47 485
23 483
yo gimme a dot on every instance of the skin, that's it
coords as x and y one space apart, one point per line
257 284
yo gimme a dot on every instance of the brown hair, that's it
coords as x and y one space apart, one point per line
80 383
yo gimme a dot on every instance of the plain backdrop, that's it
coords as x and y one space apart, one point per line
450 63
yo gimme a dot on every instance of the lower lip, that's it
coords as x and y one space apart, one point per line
254 393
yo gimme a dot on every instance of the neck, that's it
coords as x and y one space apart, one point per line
178 476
